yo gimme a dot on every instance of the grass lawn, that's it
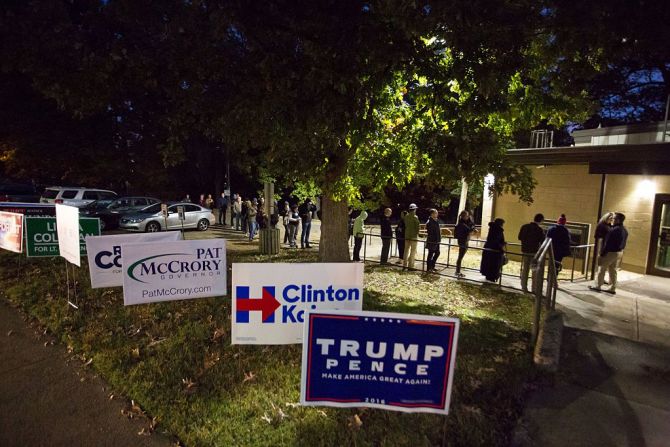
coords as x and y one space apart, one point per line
175 359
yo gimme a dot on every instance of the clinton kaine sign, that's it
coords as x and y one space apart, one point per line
270 300
168 271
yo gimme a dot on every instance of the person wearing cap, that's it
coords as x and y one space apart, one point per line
611 254
560 241
411 237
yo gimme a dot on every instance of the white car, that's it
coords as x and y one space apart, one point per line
75 196
151 219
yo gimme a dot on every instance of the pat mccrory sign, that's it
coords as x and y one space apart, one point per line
42 237
169 271
382 360
270 300
105 262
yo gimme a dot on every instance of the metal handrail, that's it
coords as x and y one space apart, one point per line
538 264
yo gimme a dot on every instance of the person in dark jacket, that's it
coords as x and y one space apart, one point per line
400 236
433 239
611 254
604 226
464 228
531 236
387 235
305 211
560 241
222 205
492 257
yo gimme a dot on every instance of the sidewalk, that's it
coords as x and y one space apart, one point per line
613 382
44 401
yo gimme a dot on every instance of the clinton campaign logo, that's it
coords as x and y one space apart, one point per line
269 302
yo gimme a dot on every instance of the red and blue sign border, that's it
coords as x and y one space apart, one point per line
308 399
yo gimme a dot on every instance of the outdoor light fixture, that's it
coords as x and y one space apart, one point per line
646 188
489 179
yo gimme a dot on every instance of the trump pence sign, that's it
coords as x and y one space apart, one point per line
168 271
381 360
270 300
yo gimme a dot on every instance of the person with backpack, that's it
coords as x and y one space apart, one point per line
464 228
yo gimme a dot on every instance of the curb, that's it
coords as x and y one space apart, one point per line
548 347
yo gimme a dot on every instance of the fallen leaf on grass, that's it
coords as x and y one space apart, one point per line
136 352
471 409
499 359
190 386
266 418
355 422
292 404
249 376
10 333
89 362
211 360
218 333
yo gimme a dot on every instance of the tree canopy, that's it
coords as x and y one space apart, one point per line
347 96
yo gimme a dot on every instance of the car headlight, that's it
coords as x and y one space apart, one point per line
134 220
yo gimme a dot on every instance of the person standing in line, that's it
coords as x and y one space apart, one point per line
222 205
244 213
252 211
262 220
293 221
285 214
433 240
493 255
386 234
531 236
187 199
464 228
209 203
411 237
611 254
560 241
305 211
604 226
400 236
202 201
359 234
237 212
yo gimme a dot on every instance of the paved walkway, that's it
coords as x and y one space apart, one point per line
44 401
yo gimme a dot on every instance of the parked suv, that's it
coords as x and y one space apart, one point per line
74 196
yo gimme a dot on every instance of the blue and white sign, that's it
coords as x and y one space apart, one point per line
270 300
382 360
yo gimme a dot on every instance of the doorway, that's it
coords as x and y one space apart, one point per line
658 262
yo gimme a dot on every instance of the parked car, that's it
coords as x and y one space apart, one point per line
151 218
75 196
18 192
111 213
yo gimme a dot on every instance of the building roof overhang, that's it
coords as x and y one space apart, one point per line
637 159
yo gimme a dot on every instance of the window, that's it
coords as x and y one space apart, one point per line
106 195
50 193
140 202
189 208
88 195
155 208
69 194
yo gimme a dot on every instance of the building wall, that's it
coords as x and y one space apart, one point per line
571 190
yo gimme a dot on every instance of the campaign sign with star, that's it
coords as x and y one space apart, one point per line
270 300
382 360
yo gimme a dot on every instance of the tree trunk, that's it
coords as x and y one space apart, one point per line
334 242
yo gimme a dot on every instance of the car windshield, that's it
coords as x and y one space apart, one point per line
119 203
156 207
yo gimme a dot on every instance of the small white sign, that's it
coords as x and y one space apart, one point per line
173 270
104 255
67 228
270 300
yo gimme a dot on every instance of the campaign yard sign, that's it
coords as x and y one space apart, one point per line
67 228
171 271
270 300
11 231
42 237
104 255
383 360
